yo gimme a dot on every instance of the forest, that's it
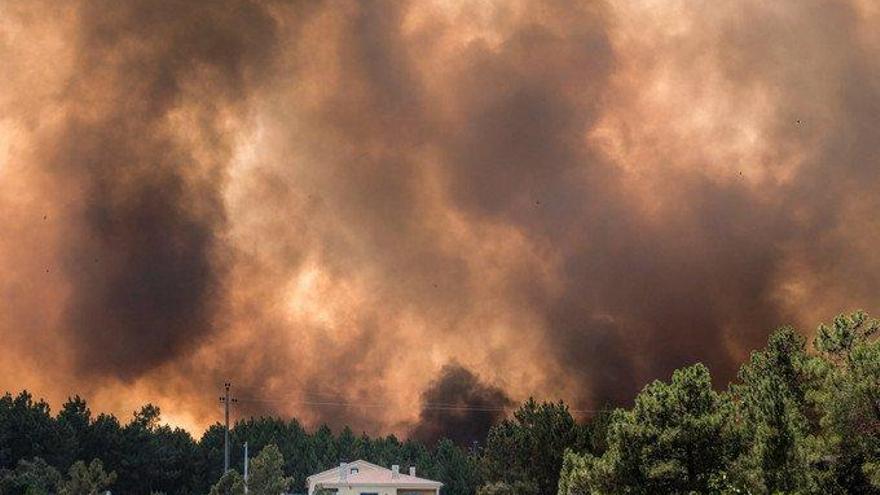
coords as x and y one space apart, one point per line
800 419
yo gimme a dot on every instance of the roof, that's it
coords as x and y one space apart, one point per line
368 474
360 463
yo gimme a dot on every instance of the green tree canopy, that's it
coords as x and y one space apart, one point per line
676 439
28 430
266 476
850 399
795 422
30 477
781 453
88 479
504 488
528 448
459 472
231 483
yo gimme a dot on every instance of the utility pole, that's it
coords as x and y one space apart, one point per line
245 468
226 400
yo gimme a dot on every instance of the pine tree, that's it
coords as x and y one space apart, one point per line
231 483
676 439
266 476
774 415
87 480
528 449
850 400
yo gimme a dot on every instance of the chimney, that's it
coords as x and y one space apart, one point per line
395 472
343 472
412 471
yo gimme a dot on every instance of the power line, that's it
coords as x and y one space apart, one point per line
424 406
359 404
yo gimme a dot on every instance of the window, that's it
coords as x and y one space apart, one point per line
355 470
369 493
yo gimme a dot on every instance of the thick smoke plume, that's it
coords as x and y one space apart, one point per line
459 407
330 203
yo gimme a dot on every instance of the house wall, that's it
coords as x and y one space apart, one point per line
358 490
382 490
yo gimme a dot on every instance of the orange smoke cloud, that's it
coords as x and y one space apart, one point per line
427 202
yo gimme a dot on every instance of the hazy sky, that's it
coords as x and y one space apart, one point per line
435 201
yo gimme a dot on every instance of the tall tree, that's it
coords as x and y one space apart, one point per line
417 454
266 476
103 440
87 479
156 457
676 439
210 458
30 477
459 472
74 422
850 399
231 483
346 443
529 447
324 450
774 413
28 430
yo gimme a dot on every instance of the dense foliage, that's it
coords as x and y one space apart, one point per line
524 453
797 421
144 456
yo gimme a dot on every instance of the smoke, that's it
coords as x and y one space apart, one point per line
327 203
459 407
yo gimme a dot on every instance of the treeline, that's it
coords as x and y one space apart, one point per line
797 421
145 457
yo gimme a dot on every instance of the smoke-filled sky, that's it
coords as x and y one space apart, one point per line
409 205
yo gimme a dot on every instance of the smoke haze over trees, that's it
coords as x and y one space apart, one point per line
564 199
797 420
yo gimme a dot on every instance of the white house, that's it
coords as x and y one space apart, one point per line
364 478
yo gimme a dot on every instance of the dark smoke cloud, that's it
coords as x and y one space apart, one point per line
458 406
146 260
326 203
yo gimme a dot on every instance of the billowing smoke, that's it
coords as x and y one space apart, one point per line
326 203
459 407
145 143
